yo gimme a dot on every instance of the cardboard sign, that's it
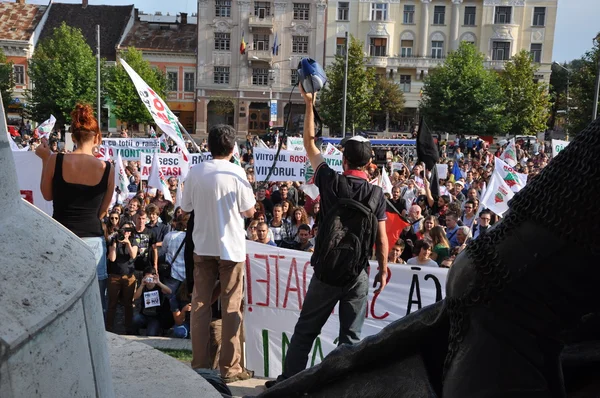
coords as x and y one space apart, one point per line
152 299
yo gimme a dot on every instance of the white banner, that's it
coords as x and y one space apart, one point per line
557 146
171 165
162 115
196 158
276 284
29 173
295 144
131 148
514 180
289 167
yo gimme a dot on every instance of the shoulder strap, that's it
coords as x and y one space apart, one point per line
58 167
178 250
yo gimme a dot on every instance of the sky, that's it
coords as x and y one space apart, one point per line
577 22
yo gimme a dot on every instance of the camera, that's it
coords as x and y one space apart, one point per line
121 235
149 279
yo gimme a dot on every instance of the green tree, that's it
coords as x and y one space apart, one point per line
582 89
558 91
6 81
361 99
390 98
462 97
122 92
63 72
527 101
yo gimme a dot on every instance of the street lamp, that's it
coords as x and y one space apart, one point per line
567 96
597 90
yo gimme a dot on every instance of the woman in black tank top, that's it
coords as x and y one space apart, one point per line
80 187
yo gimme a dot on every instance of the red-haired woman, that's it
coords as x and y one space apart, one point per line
80 187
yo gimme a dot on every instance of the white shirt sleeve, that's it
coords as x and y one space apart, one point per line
245 196
186 200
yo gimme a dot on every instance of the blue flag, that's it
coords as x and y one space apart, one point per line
275 45
456 171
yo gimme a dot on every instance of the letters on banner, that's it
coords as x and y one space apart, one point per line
557 146
276 284
131 148
171 165
290 165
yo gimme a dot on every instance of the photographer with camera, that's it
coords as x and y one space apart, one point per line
151 290
122 252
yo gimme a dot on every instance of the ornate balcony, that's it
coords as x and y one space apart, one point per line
265 23
260 56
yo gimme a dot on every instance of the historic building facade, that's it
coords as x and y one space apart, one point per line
406 38
248 52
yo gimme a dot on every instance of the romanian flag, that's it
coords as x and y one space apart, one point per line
243 45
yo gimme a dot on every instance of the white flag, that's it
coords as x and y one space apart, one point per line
121 179
14 146
162 115
261 144
497 195
386 184
512 179
46 128
236 155
557 146
510 153
157 179
331 150
179 194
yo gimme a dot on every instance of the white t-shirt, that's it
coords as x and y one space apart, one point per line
415 261
218 192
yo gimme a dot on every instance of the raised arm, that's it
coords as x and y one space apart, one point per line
313 153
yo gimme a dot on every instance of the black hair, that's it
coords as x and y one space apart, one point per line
149 270
421 244
221 140
304 227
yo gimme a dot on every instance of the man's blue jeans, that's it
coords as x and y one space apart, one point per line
318 304
150 323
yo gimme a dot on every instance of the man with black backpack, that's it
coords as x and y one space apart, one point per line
352 222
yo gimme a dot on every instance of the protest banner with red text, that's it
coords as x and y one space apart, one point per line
171 165
276 284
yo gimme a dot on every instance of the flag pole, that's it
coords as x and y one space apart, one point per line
188 135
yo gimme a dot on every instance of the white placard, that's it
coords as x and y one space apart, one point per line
295 144
151 299
557 146
277 280
130 148
171 165
442 171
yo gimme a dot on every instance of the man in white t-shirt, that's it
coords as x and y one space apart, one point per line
220 196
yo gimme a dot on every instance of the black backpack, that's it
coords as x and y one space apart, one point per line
346 237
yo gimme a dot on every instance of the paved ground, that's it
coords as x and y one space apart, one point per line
239 389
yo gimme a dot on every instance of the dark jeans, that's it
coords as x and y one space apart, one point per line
150 323
320 300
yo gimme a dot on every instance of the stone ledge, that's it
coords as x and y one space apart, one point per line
139 370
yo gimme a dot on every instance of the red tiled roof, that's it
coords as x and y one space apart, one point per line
18 21
159 37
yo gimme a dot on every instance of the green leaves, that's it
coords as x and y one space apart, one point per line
6 80
121 90
361 98
462 96
63 71
527 101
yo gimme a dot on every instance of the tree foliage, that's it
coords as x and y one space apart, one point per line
361 99
121 90
390 97
6 80
582 89
63 72
526 100
558 91
462 97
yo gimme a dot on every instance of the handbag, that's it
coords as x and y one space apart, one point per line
164 267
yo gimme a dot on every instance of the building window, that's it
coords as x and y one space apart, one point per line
223 8
19 74
222 41
340 46
405 83
261 42
301 11
172 81
501 51
437 49
406 48
539 16
379 11
343 11
470 13
294 80
378 47
439 15
189 82
409 14
300 44
262 9
221 75
503 14
536 52
260 76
